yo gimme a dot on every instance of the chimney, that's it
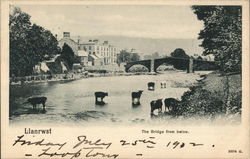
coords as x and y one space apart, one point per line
66 34
106 42
78 40
96 40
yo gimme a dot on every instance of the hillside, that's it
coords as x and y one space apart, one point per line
148 45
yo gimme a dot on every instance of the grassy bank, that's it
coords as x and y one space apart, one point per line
215 94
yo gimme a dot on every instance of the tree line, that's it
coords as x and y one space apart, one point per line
222 34
29 43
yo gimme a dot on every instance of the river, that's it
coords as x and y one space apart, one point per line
73 102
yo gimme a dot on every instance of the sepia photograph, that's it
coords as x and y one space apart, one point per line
123 79
107 64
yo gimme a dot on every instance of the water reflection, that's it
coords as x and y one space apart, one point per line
71 101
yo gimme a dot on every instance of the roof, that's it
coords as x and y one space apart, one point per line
98 56
67 39
77 66
53 59
82 53
93 56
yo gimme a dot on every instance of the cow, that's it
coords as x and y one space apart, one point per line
163 84
100 95
171 104
136 95
156 104
37 100
151 86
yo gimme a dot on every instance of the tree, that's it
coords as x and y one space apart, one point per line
125 56
68 56
222 34
29 43
155 55
180 53
135 57
179 64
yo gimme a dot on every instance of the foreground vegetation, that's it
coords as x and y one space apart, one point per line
214 95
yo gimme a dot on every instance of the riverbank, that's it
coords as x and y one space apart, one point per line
214 95
69 77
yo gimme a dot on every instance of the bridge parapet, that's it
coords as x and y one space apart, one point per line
179 63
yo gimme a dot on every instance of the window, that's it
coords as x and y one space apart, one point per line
89 47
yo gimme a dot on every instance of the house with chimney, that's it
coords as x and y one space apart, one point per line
92 52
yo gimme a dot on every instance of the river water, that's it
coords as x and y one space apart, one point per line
73 102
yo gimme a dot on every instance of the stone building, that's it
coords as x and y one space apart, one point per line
98 53
66 39
103 50
83 57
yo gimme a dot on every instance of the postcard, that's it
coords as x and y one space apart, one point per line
124 79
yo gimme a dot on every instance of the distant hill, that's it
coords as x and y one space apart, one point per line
149 46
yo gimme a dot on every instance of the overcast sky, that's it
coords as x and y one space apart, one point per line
177 22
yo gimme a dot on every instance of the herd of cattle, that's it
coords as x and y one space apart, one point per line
170 103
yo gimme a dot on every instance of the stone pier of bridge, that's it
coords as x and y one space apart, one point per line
152 65
190 68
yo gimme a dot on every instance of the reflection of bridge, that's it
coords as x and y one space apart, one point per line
180 63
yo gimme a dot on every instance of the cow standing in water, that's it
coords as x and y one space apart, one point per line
156 104
37 100
151 86
100 95
171 104
136 95
163 84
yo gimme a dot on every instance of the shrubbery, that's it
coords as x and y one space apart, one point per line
200 102
235 103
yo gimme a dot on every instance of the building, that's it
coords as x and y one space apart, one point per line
103 50
95 60
205 58
66 39
83 57
98 53
55 65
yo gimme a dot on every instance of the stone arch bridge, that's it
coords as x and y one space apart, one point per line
180 63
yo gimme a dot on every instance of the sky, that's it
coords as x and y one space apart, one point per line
154 21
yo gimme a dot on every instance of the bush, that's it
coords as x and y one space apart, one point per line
235 103
200 102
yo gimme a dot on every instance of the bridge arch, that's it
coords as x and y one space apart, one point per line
135 65
145 63
172 61
163 66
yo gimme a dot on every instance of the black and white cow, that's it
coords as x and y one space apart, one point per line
100 95
136 95
151 86
156 104
172 104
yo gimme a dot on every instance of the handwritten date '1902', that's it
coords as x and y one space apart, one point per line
87 148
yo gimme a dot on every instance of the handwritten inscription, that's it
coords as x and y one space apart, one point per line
84 147
83 141
37 143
